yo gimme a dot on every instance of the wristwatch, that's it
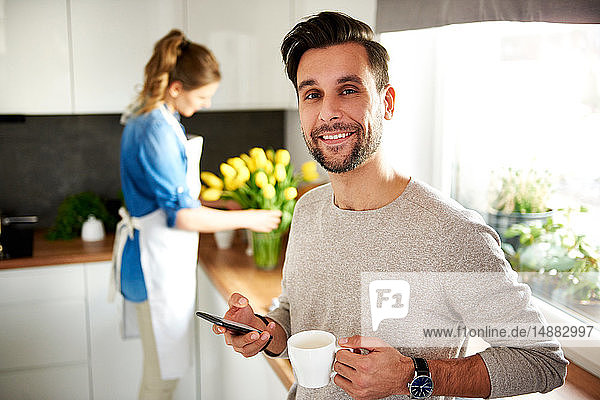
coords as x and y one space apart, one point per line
421 386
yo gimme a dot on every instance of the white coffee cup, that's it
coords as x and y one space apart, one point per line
312 354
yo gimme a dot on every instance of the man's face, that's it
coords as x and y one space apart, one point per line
341 112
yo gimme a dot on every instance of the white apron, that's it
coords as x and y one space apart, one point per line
169 258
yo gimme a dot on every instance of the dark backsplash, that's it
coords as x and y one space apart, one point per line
44 159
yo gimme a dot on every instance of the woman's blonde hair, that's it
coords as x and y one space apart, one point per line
175 59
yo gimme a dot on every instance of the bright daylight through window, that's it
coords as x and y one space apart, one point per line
509 114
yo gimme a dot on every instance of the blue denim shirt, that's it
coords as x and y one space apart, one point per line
153 176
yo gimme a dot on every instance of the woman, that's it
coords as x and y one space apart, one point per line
159 176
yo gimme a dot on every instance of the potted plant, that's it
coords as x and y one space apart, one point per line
519 196
260 180
74 211
557 262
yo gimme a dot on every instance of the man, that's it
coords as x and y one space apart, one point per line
373 220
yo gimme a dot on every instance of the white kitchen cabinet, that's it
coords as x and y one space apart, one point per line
112 41
364 10
40 334
87 56
44 346
34 57
70 382
61 340
223 373
61 337
245 37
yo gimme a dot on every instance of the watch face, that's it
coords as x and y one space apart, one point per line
421 387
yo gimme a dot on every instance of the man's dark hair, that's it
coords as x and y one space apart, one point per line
328 29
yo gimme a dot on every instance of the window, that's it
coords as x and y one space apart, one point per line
475 99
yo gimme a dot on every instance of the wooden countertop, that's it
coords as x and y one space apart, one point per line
57 252
231 270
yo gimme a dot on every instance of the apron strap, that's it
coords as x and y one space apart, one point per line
125 229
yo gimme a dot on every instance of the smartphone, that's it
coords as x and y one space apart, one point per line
235 327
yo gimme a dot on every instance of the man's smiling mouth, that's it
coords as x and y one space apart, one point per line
336 136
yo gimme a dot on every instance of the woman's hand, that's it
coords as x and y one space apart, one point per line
262 220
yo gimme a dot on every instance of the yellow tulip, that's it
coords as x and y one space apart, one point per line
272 180
268 191
227 170
268 167
290 193
211 180
309 171
229 184
313 176
243 175
257 152
236 162
309 166
232 184
211 194
270 155
282 156
261 179
245 157
259 157
249 162
280 172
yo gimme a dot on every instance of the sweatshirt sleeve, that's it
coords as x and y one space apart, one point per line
489 295
281 315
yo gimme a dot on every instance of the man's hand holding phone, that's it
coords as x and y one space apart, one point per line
251 343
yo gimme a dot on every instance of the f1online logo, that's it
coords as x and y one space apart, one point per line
389 299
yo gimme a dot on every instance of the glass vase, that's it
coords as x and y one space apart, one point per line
266 247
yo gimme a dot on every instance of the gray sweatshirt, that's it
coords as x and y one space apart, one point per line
449 273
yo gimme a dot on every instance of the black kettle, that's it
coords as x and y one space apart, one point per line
16 236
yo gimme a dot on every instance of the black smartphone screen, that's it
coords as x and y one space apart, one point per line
235 327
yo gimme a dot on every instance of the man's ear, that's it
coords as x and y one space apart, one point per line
389 100
175 89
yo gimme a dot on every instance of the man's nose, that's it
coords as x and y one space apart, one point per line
330 109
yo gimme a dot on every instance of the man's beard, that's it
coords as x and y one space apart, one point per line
365 145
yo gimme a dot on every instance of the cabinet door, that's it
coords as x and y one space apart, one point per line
217 362
364 10
112 41
43 317
245 37
44 346
34 57
70 382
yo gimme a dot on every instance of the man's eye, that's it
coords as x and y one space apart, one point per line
349 91
311 95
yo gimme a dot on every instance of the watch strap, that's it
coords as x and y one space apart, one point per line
421 367
264 349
